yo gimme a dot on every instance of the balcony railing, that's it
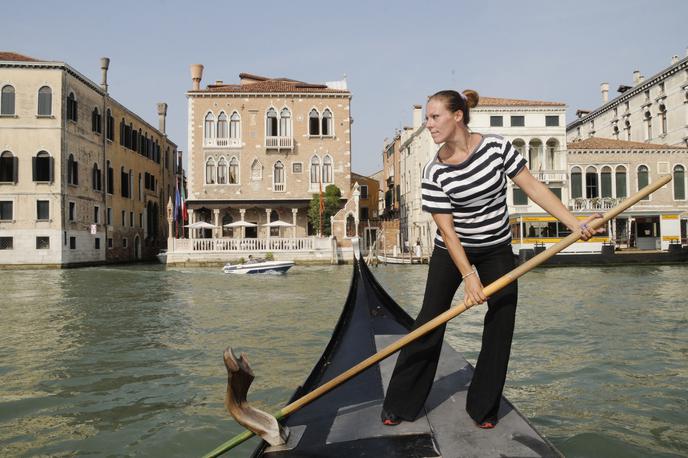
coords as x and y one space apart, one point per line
279 142
550 175
222 143
278 187
594 203
273 244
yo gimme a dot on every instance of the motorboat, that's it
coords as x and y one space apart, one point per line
258 266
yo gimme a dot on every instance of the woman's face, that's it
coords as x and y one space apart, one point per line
441 122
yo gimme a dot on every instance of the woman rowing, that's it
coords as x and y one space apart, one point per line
464 188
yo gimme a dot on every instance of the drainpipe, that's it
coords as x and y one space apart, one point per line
104 65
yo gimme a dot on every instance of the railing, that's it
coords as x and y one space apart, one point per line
279 142
222 143
250 245
278 187
550 175
594 203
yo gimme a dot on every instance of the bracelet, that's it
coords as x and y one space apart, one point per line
472 272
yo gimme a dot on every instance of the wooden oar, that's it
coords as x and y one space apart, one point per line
446 316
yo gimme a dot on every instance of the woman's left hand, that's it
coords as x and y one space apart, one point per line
588 232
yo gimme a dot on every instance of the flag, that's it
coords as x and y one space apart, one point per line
177 201
185 213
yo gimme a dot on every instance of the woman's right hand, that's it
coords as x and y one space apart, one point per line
473 291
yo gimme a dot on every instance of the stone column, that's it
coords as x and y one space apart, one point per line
294 212
242 212
191 220
217 232
267 229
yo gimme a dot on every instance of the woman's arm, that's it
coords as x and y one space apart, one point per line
546 199
473 288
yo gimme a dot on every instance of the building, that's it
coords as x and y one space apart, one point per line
535 128
652 110
258 153
369 188
83 179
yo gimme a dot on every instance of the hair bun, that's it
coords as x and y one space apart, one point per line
472 98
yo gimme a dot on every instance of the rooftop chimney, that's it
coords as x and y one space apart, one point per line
196 76
636 77
674 59
162 114
104 65
604 88
417 116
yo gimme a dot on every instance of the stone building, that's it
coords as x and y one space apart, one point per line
652 110
83 179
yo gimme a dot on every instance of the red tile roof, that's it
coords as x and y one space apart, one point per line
609 143
13 56
496 101
264 84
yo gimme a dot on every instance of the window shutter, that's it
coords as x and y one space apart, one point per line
76 172
15 169
33 168
51 167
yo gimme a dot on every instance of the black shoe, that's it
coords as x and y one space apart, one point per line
389 419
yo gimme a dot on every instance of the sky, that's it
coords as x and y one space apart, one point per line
394 54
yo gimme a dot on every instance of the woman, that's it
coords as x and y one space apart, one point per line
464 187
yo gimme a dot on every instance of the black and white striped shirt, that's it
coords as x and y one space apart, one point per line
474 192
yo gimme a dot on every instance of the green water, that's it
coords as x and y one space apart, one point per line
128 361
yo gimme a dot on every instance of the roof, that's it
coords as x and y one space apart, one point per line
261 84
609 143
13 56
498 101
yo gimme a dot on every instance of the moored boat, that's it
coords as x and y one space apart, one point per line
398 259
258 267
346 420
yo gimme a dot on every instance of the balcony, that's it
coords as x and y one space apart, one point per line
279 143
594 203
278 187
222 143
550 175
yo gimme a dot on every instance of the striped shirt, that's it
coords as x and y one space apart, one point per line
474 192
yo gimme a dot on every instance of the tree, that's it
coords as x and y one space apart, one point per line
331 199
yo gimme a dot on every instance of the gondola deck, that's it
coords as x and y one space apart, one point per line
345 422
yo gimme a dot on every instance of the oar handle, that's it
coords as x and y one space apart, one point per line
449 314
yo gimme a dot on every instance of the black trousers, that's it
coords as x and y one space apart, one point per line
417 363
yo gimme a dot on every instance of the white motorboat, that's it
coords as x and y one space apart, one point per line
258 267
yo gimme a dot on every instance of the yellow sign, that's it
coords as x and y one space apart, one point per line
669 216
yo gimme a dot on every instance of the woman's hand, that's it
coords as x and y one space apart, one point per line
586 231
473 291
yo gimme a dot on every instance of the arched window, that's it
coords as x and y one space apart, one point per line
285 123
45 101
233 171
210 171
109 125
313 122
222 171
96 121
315 170
350 226
621 186
209 130
42 167
72 170
72 108
606 184
576 183
256 171
648 125
7 100
534 154
679 182
643 178
326 123
9 166
662 119
520 146
227 231
327 170
552 147
235 126
222 130
278 177
592 188
271 127
97 178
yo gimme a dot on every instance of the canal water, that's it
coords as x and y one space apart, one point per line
124 361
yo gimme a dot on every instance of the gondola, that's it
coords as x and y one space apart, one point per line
345 422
